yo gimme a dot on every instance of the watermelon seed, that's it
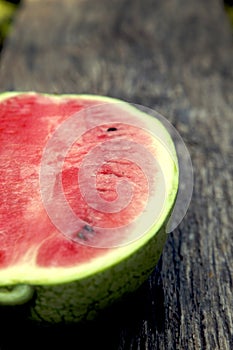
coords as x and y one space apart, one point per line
82 236
112 129
86 229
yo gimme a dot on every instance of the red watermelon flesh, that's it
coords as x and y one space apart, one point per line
27 235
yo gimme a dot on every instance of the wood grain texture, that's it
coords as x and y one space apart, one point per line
176 57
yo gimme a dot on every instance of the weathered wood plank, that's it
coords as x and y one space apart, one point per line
176 57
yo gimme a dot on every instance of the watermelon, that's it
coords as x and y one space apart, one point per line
87 186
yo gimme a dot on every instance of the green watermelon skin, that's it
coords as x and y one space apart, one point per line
81 297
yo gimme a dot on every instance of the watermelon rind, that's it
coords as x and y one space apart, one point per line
78 293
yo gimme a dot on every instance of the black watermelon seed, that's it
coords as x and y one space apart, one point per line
112 129
82 236
88 228
85 232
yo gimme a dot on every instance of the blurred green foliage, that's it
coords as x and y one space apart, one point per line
229 11
7 10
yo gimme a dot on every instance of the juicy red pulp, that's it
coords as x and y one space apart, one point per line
26 232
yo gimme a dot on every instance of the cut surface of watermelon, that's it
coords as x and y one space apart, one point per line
32 248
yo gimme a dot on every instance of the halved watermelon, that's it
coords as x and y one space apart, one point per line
77 248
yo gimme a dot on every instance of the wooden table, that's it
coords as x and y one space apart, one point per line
175 57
